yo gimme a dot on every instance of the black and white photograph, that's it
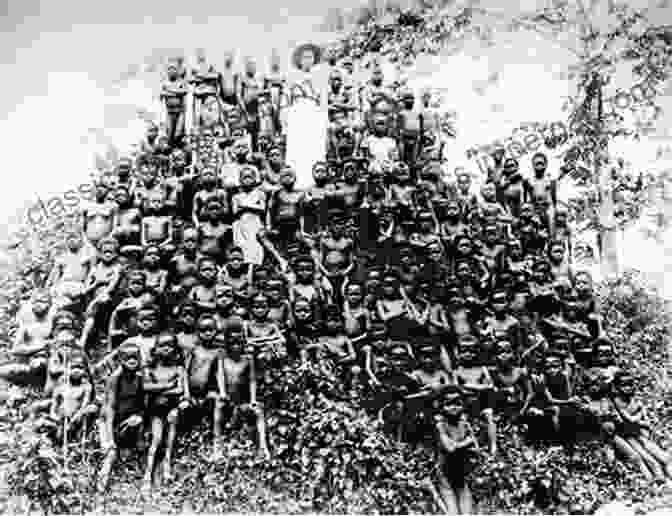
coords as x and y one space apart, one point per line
336 257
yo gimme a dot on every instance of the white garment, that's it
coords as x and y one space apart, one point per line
307 123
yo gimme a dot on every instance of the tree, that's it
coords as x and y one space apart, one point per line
604 39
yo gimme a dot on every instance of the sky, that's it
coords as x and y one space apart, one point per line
62 61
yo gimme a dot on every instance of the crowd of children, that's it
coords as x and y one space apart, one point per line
200 266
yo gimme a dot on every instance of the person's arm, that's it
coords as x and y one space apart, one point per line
56 399
368 365
220 376
169 238
87 396
110 405
143 233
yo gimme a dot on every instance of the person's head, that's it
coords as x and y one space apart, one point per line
155 202
511 166
187 313
101 191
208 177
583 283
305 269
73 241
41 302
122 196
429 357
336 80
333 322
624 384
152 256
250 67
224 296
260 307
467 350
561 217
526 211
499 302
541 271
129 357
109 248
556 251
464 246
308 59
136 283
491 234
553 364
302 310
463 271
425 221
248 177
152 132
320 173
236 259
498 155
380 124
350 172
453 404
464 182
390 285
207 270
408 99
604 353
206 329
354 293
377 76
452 211
539 164
275 157
64 320
240 150
190 240
274 289
515 249
147 319
166 350
213 209
505 355
488 191
434 251
288 178
172 71
373 281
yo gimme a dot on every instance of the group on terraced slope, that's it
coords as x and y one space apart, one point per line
314 221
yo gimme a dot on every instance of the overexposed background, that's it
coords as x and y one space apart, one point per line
75 74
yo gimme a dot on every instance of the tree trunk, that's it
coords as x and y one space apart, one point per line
608 228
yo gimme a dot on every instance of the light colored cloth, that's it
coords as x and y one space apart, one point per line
245 231
249 224
307 123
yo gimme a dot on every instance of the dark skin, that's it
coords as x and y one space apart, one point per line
203 294
122 412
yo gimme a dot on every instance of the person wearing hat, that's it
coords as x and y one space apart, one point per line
307 115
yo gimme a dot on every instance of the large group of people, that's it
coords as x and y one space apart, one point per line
270 221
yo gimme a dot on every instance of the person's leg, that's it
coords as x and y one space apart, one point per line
217 421
491 428
628 453
157 437
171 421
650 460
656 451
465 503
448 495
110 450
261 432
